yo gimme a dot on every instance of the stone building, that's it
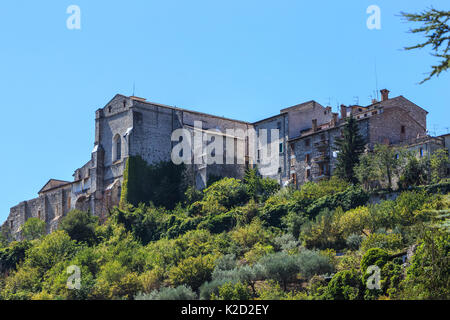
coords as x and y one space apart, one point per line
132 126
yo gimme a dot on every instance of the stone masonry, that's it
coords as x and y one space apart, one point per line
131 126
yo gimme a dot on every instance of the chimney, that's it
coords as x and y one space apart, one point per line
343 111
335 119
384 94
314 125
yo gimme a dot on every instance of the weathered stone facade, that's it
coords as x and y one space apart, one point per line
131 126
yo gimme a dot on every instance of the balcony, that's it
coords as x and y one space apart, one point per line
321 157
321 144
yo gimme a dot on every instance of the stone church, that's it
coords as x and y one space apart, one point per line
131 126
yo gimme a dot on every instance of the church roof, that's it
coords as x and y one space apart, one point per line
52 184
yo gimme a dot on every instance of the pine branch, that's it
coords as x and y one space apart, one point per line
436 30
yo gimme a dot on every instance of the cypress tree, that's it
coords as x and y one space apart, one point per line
350 146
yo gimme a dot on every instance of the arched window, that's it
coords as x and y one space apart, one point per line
117 148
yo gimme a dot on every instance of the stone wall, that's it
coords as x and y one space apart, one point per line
132 126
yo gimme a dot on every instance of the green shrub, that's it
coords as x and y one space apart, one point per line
80 226
354 241
233 291
192 271
274 210
312 263
280 267
11 256
224 194
390 242
167 293
211 288
345 285
218 223
376 257
351 198
34 228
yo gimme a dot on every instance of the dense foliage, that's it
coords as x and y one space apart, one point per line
240 240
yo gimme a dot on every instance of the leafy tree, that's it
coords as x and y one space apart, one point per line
5 235
34 228
354 241
223 195
391 242
259 188
271 290
12 255
312 263
387 161
167 293
435 27
312 191
281 267
211 288
439 162
428 276
324 232
55 247
293 222
80 226
415 172
286 242
274 210
375 256
247 236
349 148
365 171
233 291
193 271
115 281
192 195
357 221
345 285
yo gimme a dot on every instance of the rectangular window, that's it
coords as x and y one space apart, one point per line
281 147
403 129
308 173
294 178
421 152
307 158
259 155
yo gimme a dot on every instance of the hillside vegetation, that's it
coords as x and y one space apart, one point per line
243 240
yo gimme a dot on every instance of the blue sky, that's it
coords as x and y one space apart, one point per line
240 59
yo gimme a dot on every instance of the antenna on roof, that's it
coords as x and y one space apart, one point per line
134 88
376 79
